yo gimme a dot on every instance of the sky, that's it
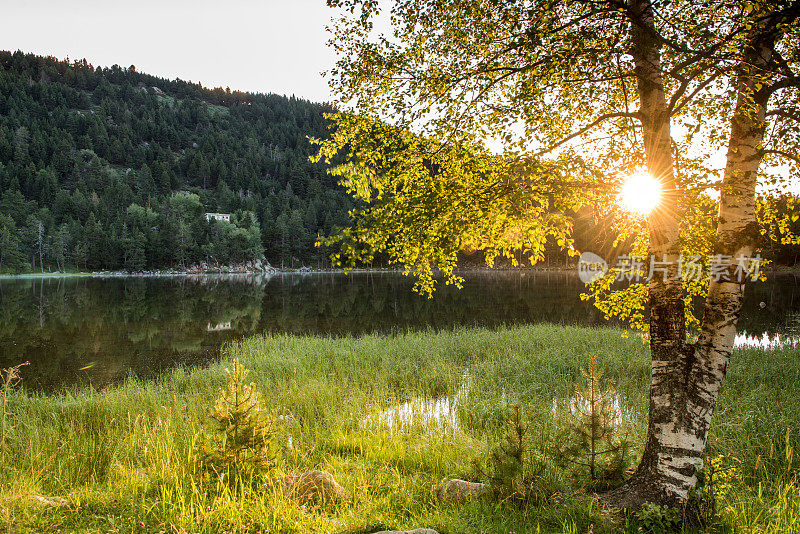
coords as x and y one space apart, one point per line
267 46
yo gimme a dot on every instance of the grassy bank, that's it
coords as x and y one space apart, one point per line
123 458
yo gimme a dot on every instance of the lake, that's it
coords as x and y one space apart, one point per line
98 330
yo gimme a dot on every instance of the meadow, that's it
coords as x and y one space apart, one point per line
389 416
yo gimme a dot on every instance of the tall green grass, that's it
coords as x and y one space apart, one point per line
124 458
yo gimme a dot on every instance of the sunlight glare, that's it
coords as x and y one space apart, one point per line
640 193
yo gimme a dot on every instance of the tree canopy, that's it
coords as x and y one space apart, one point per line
550 86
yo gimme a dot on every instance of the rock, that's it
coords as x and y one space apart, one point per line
312 486
457 490
415 531
49 501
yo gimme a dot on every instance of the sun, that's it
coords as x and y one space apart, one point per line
640 193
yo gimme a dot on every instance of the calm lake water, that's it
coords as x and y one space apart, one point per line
99 330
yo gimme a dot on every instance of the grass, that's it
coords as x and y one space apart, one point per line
123 458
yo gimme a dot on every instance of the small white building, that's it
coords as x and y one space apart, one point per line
219 217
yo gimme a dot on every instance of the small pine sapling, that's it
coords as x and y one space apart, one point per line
594 419
511 473
244 441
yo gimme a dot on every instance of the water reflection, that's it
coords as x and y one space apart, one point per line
99 330
439 411
765 341
576 406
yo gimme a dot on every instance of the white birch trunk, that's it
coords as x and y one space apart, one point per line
686 379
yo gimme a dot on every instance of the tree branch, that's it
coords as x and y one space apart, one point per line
596 122
786 114
782 153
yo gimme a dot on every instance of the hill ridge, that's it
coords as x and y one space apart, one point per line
91 160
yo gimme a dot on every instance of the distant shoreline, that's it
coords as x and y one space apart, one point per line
270 272
306 270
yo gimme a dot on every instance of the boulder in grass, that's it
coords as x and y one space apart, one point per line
50 501
457 490
312 486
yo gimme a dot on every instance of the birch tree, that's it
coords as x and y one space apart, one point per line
483 124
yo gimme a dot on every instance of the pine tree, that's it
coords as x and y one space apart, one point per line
59 247
513 473
95 241
134 251
244 440
11 258
506 461
595 418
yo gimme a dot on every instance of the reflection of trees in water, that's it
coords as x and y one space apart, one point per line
115 326
781 311
383 302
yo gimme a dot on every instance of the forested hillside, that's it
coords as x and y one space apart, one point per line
109 168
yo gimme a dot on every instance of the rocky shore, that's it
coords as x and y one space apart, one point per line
248 267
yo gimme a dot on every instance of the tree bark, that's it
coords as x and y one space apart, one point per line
686 379
667 464
737 229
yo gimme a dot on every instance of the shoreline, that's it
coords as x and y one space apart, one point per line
266 272
303 271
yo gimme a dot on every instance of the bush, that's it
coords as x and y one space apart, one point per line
9 379
713 483
655 519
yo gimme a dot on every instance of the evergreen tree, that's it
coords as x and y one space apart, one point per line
95 242
135 252
11 257
59 246
597 441
244 437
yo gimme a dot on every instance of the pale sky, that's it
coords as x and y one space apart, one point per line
267 46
